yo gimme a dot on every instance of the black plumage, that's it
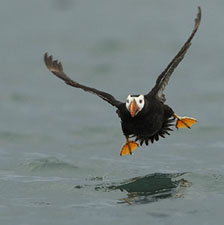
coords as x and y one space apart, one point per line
153 121
155 118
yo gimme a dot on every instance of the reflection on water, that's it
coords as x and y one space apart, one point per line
152 187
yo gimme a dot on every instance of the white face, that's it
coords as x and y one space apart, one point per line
135 104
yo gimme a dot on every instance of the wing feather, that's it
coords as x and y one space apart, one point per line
57 69
164 77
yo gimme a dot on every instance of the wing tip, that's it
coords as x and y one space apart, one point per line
52 65
46 58
199 10
198 18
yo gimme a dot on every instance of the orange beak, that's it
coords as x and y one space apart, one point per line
133 108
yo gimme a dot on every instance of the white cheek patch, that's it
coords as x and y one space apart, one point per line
128 101
139 101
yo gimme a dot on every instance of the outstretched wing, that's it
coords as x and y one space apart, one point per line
56 68
164 77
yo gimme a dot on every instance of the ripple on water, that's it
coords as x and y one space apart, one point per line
48 164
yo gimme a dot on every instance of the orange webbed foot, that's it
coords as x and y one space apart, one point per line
128 148
183 122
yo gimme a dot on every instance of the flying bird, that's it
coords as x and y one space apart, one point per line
144 117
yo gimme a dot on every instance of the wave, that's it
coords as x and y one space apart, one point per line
48 164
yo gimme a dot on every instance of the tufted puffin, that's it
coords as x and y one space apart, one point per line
143 117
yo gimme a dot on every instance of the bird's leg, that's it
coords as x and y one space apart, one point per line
128 147
128 144
184 121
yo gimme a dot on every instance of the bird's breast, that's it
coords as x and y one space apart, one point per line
144 125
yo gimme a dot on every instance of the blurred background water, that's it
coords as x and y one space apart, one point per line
59 152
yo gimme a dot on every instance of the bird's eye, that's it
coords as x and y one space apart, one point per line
140 101
127 101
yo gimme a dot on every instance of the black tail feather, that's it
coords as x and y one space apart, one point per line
161 133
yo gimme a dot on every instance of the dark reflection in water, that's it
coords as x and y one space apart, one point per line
152 187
